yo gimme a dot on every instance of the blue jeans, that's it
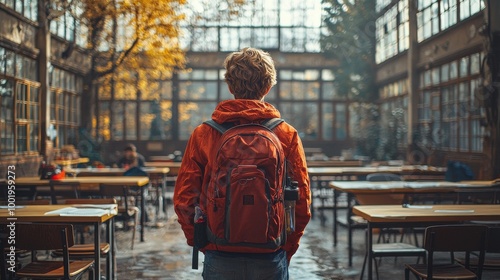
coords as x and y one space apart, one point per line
229 266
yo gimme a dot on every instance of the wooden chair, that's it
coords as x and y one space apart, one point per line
451 238
491 262
47 237
86 250
125 210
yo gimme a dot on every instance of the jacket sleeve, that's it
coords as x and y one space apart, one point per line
297 169
188 186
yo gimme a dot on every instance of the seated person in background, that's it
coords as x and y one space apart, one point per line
131 158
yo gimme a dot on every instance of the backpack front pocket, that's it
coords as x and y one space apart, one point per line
247 203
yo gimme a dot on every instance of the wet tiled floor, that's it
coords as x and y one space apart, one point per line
165 255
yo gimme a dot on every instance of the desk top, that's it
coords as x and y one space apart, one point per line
169 164
109 181
429 213
37 213
365 170
357 187
116 171
335 163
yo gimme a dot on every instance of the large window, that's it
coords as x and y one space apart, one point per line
67 26
392 31
449 115
393 111
65 90
19 104
27 8
288 26
308 99
434 16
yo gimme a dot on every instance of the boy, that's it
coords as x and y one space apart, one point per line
250 74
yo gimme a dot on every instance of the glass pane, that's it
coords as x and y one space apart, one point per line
327 121
329 91
34 137
191 115
104 120
474 64
464 66
225 94
198 90
130 121
22 140
327 75
166 89
340 122
445 72
453 70
303 116
118 121
61 135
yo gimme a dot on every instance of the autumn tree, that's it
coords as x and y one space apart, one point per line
350 39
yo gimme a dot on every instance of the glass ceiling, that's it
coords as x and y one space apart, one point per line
287 26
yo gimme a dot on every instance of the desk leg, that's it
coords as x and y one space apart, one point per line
109 240
97 252
143 213
335 225
349 228
113 250
369 252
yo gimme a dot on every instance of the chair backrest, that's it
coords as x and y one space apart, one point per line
493 244
41 236
135 171
457 238
383 177
91 201
458 171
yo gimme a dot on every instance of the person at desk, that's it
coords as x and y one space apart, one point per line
131 158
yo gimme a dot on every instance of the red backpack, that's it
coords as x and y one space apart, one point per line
245 206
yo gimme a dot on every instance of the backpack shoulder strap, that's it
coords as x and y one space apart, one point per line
219 127
271 124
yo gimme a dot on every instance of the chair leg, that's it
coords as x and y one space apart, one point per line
363 268
407 274
136 222
376 270
91 272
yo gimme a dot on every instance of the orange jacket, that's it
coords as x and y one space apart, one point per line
196 167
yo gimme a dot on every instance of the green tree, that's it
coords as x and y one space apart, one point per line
351 41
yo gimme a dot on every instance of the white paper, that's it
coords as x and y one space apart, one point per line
454 211
72 211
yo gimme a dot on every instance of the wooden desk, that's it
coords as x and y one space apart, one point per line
320 175
335 163
108 182
85 172
394 192
173 166
382 216
36 214
158 177
414 170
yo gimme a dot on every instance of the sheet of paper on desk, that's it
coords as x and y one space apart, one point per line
454 211
72 211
